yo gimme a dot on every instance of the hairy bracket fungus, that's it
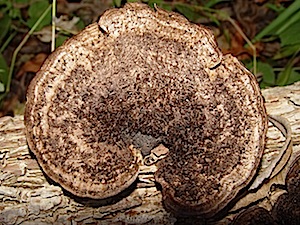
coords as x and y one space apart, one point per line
143 75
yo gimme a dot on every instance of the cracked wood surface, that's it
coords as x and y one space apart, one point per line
28 197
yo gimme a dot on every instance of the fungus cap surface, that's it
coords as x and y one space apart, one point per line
147 73
254 215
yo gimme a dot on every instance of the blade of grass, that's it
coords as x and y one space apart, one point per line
289 22
281 69
53 25
7 41
211 3
249 43
25 39
284 75
279 21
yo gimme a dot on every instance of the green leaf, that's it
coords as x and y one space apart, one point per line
60 40
211 3
267 71
263 85
275 7
291 35
3 70
80 24
5 23
35 11
213 18
294 77
15 13
8 8
188 11
117 3
280 21
287 51
291 20
284 76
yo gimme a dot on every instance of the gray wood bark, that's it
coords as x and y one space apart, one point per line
28 197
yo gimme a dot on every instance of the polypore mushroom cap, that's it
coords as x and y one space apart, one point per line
293 177
286 209
145 73
254 215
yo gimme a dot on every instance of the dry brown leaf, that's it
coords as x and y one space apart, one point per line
33 65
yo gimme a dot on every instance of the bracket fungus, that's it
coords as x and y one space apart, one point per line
254 215
151 74
286 209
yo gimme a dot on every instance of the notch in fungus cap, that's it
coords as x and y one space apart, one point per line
143 73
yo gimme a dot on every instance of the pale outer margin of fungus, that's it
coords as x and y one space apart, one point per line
230 184
76 51
80 49
141 18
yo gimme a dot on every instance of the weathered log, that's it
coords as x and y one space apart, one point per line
28 197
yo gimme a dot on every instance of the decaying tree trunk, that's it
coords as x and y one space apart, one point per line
28 197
